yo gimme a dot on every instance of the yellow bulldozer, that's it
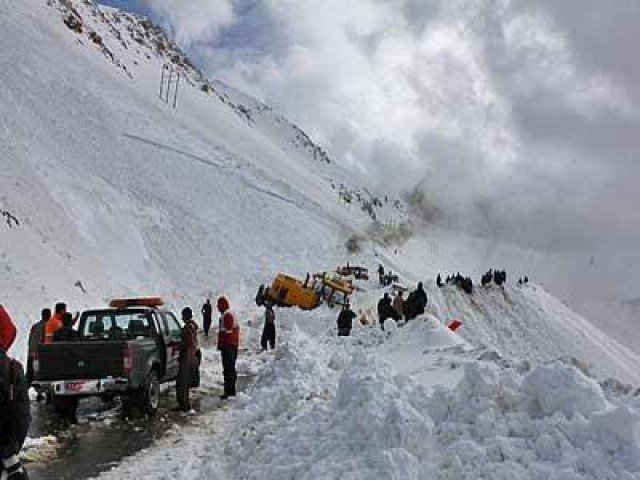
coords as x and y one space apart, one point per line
287 291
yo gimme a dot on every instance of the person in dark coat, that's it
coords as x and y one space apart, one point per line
187 359
66 333
439 281
386 310
345 320
36 337
269 329
15 416
207 311
467 285
381 274
416 303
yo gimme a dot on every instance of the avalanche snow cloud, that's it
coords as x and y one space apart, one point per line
531 102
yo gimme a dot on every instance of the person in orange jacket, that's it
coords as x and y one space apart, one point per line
228 342
55 323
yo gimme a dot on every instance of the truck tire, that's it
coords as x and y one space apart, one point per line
145 399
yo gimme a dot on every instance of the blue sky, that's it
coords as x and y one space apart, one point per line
129 5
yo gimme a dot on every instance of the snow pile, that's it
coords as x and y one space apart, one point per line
527 322
307 422
551 423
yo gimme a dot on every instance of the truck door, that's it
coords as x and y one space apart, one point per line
171 333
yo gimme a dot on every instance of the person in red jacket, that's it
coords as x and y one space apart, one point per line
14 404
228 342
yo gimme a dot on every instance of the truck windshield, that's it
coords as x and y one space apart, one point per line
116 325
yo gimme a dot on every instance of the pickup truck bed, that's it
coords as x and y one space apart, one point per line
81 360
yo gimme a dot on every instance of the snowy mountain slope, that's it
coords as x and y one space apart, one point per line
140 49
126 195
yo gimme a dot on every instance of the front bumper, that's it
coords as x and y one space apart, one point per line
86 387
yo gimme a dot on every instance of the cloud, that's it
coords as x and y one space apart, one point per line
192 21
504 111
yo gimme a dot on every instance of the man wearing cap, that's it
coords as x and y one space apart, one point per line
228 342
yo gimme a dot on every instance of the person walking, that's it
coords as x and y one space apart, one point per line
187 359
345 320
228 343
269 330
36 337
207 312
14 404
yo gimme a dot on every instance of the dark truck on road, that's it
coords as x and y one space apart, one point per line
127 350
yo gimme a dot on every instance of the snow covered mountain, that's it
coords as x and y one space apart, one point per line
119 193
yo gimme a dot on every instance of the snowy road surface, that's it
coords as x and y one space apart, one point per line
102 438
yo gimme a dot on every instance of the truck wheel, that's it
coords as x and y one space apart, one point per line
145 399
150 395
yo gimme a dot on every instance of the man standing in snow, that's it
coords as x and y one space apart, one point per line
228 342
187 359
207 311
416 303
269 329
14 404
381 274
398 303
345 320
36 337
386 310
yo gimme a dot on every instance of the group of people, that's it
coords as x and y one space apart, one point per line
386 278
399 308
465 283
523 281
50 328
499 277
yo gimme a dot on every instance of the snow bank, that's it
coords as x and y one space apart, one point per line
551 423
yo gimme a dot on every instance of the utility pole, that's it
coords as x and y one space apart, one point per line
169 84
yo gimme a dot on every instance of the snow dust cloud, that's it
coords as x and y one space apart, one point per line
504 113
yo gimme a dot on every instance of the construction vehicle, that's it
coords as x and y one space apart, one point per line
359 273
287 291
